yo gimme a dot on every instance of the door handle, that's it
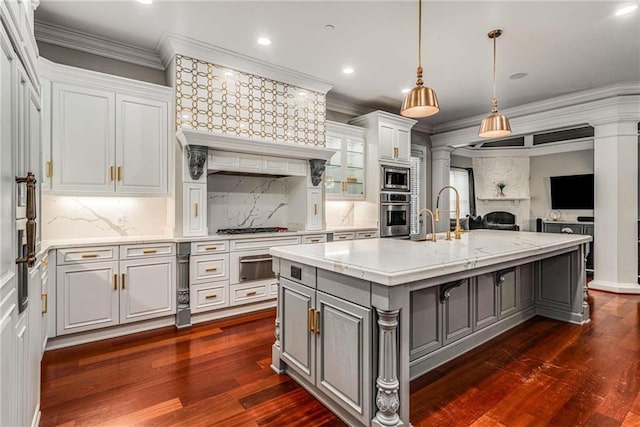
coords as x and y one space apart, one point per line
45 304
119 173
30 181
111 173
310 321
115 282
195 206
316 316
124 285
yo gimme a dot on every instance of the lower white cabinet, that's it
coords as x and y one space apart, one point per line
315 214
93 295
326 341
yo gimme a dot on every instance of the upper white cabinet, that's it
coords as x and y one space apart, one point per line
345 171
108 135
391 133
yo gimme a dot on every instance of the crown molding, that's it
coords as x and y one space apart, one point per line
538 150
622 105
73 39
575 98
171 45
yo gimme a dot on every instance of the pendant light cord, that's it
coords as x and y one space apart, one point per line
494 103
419 81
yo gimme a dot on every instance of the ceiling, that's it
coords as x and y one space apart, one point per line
563 46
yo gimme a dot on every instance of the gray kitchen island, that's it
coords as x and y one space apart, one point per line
358 320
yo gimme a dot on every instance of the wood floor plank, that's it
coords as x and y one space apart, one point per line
541 373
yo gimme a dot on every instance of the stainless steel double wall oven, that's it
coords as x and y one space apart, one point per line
395 201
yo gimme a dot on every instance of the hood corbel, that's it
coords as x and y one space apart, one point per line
197 155
316 167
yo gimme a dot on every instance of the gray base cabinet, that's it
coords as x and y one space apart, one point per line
326 341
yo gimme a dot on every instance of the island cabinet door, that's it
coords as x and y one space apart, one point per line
458 311
486 301
506 282
344 354
426 322
297 337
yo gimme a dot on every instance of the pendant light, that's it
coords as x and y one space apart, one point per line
494 125
421 101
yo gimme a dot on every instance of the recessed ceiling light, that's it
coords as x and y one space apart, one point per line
264 41
145 1
348 70
516 76
406 90
625 10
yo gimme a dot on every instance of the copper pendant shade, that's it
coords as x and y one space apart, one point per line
494 125
421 101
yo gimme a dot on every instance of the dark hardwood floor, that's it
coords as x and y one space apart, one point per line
542 373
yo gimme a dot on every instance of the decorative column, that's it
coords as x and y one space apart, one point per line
387 398
616 207
441 165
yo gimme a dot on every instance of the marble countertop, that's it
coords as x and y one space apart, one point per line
117 240
392 262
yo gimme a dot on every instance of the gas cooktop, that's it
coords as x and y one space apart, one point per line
252 230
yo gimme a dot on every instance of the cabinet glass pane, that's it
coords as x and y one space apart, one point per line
334 142
333 179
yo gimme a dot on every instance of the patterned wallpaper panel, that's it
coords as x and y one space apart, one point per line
221 100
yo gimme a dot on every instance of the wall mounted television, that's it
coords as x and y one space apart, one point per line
572 192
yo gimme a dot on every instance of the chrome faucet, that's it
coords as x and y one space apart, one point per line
457 232
433 223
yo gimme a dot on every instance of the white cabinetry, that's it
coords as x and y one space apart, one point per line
96 290
390 134
109 135
345 171
315 209
194 209
219 160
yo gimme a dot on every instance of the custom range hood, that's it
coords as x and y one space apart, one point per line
197 144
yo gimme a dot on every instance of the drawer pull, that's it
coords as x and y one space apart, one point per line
89 255
315 240
211 296
250 294
342 237
210 248
211 269
195 206
45 304
366 235
149 251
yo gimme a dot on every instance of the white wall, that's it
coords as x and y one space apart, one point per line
543 167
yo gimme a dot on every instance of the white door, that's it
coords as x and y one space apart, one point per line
87 296
403 144
141 145
194 210
386 142
82 146
147 289
8 243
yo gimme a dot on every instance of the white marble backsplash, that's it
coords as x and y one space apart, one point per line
246 201
351 213
65 217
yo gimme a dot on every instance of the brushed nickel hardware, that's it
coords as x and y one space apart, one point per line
310 320
49 169
196 209
211 296
115 282
316 315
119 173
210 248
111 172
212 269
89 256
45 304
124 285
315 209
250 294
30 181
149 251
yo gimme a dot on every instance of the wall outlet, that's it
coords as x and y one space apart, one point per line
120 221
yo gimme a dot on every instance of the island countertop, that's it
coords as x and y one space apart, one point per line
393 262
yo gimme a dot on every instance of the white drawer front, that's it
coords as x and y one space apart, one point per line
210 247
366 234
208 268
274 289
320 238
209 296
147 250
98 253
246 293
343 236
246 244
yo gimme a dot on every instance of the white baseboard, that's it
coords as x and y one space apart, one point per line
615 287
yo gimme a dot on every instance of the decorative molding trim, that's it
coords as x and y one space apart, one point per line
93 79
258 146
373 118
571 99
345 129
615 287
101 46
172 44
538 150
618 108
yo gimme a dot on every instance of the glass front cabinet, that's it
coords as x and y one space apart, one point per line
345 171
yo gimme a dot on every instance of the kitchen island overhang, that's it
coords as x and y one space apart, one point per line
358 320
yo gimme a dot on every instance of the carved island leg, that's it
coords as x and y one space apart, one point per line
387 397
